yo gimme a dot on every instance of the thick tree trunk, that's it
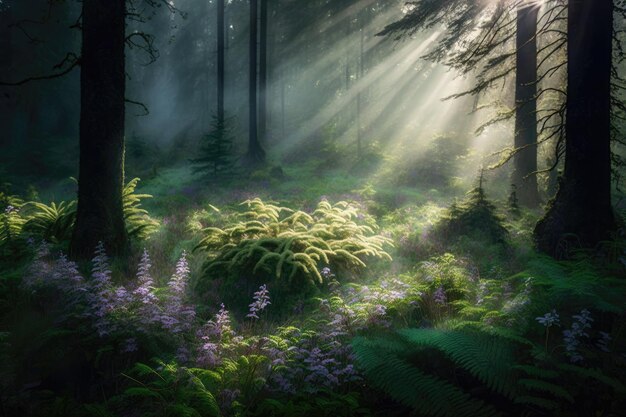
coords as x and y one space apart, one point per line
7 100
220 62
256 154
581 214
100 214
525 161
263 73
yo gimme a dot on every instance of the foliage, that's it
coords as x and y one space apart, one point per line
436 166
436 372
289 246
387 363
53 223
139 224
476 216
217 160
171 390
11 225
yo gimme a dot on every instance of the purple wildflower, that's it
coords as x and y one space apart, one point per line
440 296
261 300
549 319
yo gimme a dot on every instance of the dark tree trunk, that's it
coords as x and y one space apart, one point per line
581 213
359 139
7 101
525 161
256 154
220 62
263 73
100 214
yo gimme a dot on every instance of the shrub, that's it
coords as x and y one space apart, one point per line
277 244
476 217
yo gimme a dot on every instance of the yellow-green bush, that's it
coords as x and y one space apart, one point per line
270 242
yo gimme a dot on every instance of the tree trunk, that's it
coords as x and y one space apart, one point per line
359 139
263 73
256 154
7 100
525 161
220 62
581 214
100 215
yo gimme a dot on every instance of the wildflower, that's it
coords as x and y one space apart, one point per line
327 273
549 319
572 337
440 296
603 342
261 300
178 316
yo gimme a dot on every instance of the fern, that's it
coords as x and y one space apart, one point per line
172 390
287 244
486 357
139 224
52 222
579 282
11 225
386 364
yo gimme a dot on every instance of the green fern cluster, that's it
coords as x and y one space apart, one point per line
283 243
54 222
392 365
448 373
139 224
170 390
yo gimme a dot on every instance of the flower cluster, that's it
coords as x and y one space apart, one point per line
261 300
215 337
113 310
573 336
549 319
439 296
178 316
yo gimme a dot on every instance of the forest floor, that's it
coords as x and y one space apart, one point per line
309 291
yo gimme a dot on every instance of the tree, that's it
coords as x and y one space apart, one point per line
256 154
263 73
217 159
220 61
100 216
581 213
464 50
525 160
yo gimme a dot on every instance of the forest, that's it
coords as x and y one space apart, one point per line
309 208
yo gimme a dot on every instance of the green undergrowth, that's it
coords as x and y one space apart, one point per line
290 250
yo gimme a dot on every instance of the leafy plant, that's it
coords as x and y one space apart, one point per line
171 390
139 224
11 225
389 365
276 241
53 222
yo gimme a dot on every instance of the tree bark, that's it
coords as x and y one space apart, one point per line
220 62
263 73
7 101
100 214
256 154
581 213
525 161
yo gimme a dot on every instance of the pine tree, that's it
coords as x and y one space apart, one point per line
217 159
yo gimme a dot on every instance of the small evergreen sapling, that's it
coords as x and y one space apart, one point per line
217 159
